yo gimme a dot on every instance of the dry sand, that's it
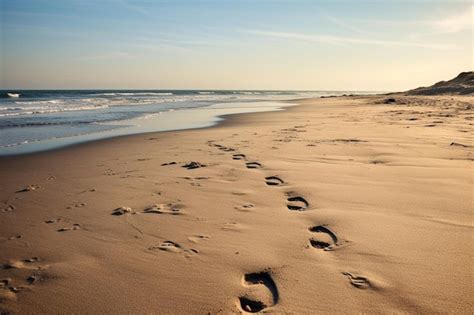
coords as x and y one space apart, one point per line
367 207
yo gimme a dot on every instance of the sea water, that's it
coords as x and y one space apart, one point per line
47 119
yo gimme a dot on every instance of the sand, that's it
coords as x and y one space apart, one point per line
338 205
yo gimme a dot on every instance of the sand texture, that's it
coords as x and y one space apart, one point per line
338 205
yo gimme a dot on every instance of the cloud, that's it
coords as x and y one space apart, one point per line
344 24
455 23
342 41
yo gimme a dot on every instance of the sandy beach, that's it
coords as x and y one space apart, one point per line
337 205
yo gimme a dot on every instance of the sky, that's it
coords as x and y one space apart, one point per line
277 45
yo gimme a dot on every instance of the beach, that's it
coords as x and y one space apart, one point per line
335 205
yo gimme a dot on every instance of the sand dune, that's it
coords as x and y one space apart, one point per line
339 205
463 84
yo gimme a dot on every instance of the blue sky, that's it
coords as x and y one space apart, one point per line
357 45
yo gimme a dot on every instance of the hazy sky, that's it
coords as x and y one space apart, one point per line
323 45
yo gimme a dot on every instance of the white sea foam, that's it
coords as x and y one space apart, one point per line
135 94
45 110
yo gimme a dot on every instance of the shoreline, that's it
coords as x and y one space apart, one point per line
213 121
316 202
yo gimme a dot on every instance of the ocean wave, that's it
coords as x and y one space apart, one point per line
40 124
135 94
19 111
46 102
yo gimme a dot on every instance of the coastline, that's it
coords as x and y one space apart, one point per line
208 121
383 179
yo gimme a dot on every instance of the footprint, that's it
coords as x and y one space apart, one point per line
8 208
254 303
22 264
238 157
245 207
28 188
70 228
357 281
198 238
9 290
168 246
325 239
23 275
297 203
51 221
164 209
274 181
253 165
212 144
15 237
121 211
192 165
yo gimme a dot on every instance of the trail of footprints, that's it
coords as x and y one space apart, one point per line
262 289
24 274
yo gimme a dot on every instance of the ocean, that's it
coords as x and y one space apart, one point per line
39 120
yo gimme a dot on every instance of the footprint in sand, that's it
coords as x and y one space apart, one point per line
324 238
253 165
121 211
169 246
245 207
238 157
28 188
198 238
164 209
74 227
27 273
297 203
262 292
226 149
28 263
8 208
51 221
173 247
15 237
358 281
193 165
220 147
274 181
